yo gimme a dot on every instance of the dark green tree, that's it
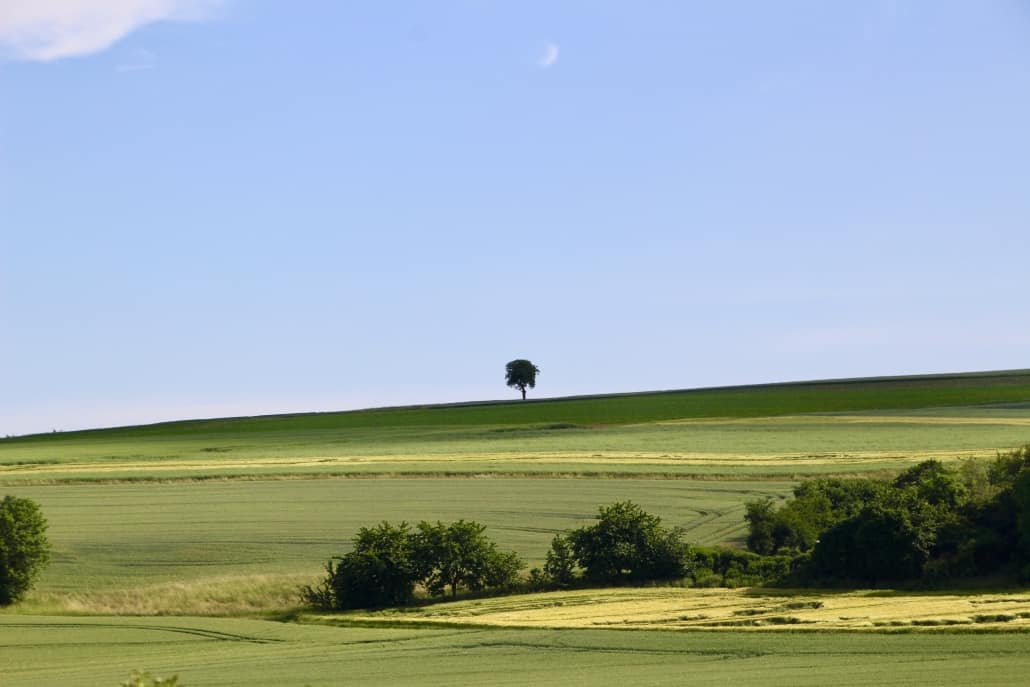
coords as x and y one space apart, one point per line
936 522
24 548
520 374
503 569
560 566
628 544
388 561
1007 466
760 516
1021 501
459 554
817 505
877 545
934 483
378 572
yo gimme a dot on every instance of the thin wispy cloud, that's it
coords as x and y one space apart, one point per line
45 30
549 56
138 61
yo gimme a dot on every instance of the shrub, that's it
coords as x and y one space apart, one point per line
761 520
628 544
560 566
722 567
145 679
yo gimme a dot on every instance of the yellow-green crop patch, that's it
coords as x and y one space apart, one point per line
721 609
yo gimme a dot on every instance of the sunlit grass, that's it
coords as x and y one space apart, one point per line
41 650
784 446
673 608
228 518
221 596
117 536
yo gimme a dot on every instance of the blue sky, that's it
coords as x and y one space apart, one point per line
246 206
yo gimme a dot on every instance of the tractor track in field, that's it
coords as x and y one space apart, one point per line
193 631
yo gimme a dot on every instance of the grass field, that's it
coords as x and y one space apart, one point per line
89 652
779 447
175 544
117 545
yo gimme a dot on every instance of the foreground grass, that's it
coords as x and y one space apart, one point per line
222 652
682 609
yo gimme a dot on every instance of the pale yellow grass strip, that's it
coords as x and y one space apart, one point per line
699 459
676 608
851 419
221 596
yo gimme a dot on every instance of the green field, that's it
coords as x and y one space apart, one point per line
110 537
89 652
226 518
780 431
879 393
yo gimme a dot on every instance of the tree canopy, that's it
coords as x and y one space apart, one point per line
24 548
459 554
387 562
520 374
934 522
627 544
377 572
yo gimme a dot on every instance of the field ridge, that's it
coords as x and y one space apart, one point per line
755 400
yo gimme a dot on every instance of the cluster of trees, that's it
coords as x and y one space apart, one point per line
388 561
932 523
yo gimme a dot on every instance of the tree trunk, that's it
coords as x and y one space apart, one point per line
523 390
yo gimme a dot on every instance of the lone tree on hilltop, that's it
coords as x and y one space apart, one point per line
519 374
